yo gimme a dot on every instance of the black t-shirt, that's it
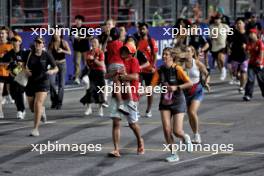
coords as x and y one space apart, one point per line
39 65
237 51
197 41
14 58
81 41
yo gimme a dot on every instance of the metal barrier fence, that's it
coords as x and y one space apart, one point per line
21 14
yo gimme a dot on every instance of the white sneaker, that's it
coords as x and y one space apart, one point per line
20 115
148 114
173 158
232 81
9 99
123 109
223 74
188 142
44 116
88 111
241 90
1 115
197 139
132 105
34 132
77 81
101 112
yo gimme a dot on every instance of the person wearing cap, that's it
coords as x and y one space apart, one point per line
16 59
40 64
5 46
130 75
255 49
218 35
95 62
80 46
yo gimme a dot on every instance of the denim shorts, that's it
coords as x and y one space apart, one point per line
198 95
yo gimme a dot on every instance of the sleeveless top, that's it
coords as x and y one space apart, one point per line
58 56
194 72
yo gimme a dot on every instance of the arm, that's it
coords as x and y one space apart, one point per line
67 48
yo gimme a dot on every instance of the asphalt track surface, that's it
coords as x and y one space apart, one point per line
224 119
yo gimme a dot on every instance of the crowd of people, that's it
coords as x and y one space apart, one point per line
121 60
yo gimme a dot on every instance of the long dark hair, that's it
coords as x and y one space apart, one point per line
52 41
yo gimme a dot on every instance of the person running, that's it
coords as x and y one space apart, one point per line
58 47
116 67
16 59
95 62
80 46
255 49
38 70
148 46
219 43
194 96
172 104
132 75
4 73
238 58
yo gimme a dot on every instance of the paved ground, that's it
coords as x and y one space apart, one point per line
225 119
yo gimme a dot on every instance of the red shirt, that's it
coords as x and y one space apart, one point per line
99 55
143 46
132 66
254 50
113 52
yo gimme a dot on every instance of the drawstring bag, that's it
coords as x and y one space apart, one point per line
167 99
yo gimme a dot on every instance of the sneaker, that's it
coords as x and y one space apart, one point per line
188 142
105 105
9 99
88 111
197 139
77 81
34 132
232 81
241 90
173 158
132 105
101 112
223 74
1 115
122 108
148 114
20 115
246 98
44 116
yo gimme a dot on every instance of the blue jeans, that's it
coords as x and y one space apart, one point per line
57 98
252 73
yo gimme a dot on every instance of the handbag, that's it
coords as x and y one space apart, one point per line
22 78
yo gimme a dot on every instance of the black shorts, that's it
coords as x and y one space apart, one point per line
33 88
215 53
146 77
6 79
